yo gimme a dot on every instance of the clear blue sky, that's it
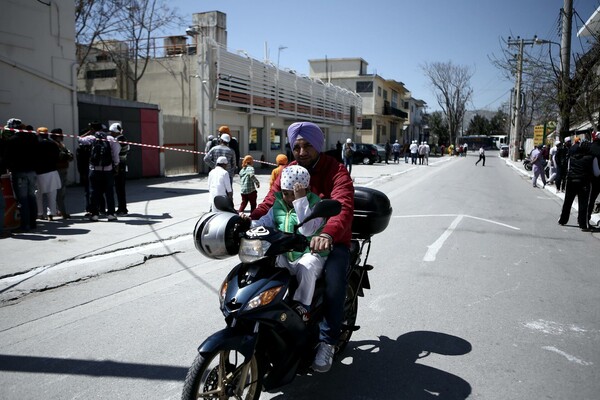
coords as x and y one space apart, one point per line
394 36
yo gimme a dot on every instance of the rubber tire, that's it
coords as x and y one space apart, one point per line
366 161
527 167
350 312
192 380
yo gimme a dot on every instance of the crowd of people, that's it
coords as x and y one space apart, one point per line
38 162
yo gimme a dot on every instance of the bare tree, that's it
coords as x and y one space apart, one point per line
93 19
452 87
123 30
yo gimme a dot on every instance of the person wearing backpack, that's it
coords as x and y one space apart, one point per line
347 154
104 163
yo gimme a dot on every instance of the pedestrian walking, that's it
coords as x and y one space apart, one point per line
388 151
396 152
582 168
539 163
248 184
481 156
348 154
219 183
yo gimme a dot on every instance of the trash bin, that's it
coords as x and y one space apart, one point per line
12 216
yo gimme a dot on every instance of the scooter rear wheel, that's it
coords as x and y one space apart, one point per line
222 375
350 312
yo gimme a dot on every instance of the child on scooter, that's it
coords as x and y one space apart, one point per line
292 205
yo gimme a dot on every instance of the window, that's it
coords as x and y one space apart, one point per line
255 139
364 87
379 91
275 139
394 99
367 123
385 94
101 73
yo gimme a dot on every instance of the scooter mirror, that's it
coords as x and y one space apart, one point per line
223 203
323 209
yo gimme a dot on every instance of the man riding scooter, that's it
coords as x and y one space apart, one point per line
330 180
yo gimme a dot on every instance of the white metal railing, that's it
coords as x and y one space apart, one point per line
261 88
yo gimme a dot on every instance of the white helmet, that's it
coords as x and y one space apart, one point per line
116 128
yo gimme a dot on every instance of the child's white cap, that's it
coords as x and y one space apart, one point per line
292 174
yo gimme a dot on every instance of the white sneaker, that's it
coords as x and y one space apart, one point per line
324 357
94 218
112 217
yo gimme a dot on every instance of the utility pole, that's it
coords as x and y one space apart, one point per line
564 119
516 139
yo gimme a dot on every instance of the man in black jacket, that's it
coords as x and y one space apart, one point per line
21 157
595 188
582 168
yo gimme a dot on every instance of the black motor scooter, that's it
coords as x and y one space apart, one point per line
265 343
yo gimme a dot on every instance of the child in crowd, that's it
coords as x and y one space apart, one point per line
219 183
248 184
281 160
292 205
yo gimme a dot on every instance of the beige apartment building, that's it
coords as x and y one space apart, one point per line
389 112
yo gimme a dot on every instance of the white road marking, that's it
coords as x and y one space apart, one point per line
568 356
456 215
437 245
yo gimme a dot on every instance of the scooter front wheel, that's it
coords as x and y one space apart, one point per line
222 375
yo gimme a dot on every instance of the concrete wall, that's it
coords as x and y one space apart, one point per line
37 65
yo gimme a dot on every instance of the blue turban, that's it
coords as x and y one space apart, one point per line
307 131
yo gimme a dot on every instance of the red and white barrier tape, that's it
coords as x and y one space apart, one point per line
152 146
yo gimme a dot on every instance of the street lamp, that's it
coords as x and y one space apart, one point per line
279 53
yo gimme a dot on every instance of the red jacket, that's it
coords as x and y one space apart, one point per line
329 180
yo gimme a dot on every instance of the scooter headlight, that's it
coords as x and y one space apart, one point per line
252 250
264 298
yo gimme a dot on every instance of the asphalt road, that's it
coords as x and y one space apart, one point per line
476 293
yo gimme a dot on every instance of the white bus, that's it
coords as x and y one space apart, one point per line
499 140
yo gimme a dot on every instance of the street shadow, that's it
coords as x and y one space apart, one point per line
66 366
388 369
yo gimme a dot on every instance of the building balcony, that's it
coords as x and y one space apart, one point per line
396 112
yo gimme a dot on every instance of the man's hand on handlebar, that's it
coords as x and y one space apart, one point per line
321 243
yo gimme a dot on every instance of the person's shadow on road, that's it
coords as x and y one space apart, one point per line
387 369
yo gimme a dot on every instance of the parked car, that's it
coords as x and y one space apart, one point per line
365 154
380 152
504 150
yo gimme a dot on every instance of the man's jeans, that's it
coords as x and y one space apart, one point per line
24 184
348 164
336 268
102 184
